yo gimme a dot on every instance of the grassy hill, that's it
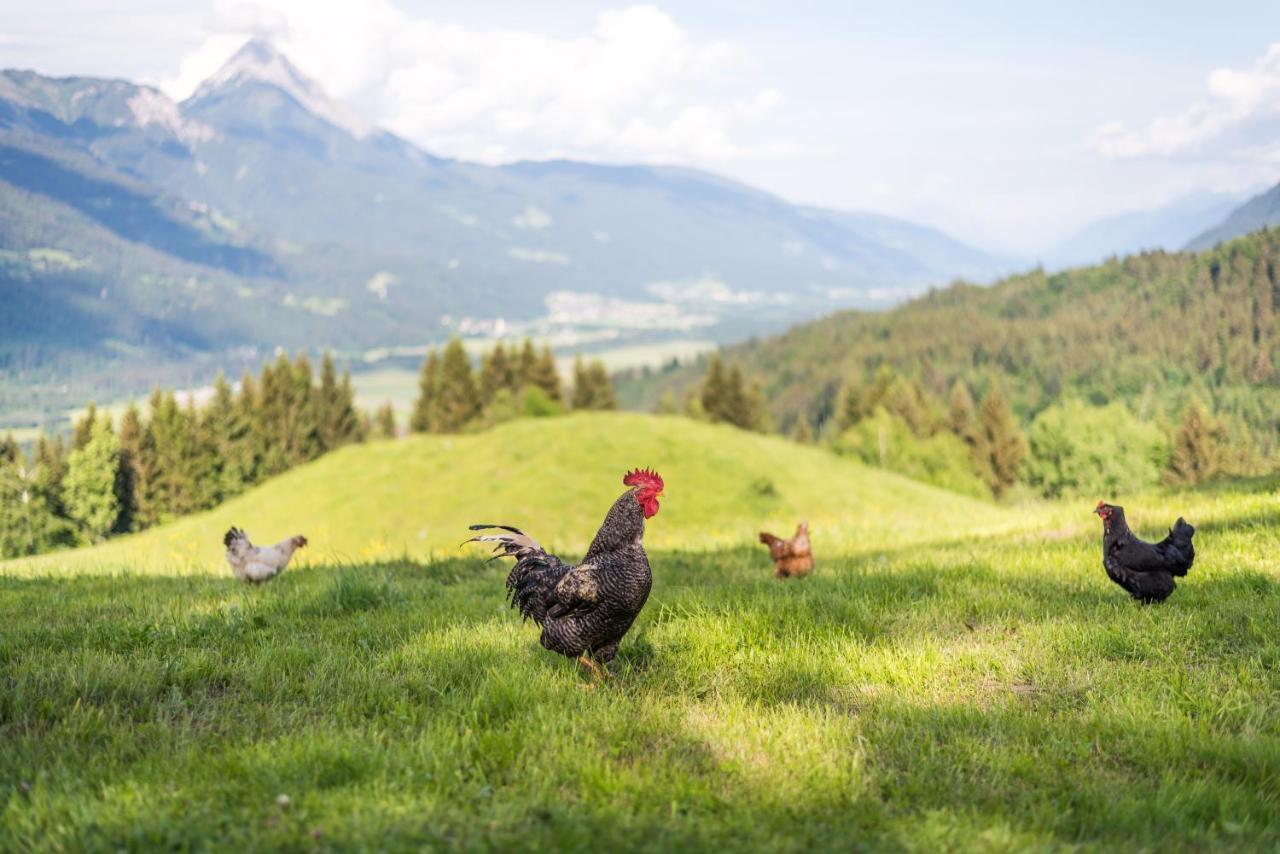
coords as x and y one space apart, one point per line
554 478
954 675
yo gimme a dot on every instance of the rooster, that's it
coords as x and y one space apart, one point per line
585 610
793 557
256 564
1145 569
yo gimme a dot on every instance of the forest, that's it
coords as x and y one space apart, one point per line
175 459
1158 367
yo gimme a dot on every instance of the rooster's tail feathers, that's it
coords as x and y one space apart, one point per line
515 543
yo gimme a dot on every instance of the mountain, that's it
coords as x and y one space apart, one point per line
1152 330
1167 227
1261 211
138 233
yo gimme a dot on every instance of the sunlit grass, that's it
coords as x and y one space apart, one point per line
965 679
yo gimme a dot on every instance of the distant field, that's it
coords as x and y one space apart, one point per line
956 675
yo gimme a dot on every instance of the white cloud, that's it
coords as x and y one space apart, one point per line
538 256
1235 98
633 86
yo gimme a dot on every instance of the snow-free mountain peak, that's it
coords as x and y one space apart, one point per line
258 61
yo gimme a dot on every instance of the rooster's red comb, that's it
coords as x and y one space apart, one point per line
647 478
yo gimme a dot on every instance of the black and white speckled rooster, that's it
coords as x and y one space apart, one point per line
256 564
585 610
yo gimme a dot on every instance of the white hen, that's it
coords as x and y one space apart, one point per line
256 564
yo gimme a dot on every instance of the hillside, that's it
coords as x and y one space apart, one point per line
953 676
1261 211
1149 330
555 477
307 227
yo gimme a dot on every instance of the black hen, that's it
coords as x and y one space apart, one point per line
1145 569
585 610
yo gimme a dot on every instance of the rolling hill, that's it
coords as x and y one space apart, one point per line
416 496
260 213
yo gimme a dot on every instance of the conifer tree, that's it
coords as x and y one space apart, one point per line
244 444
303 436
90 485
9 451
526 365
546 377
715 392
852 407
424 418
496 373
172 488
1196 455
50 472
384 424
130 483
459 399
1004 446
960 412
592 388
337 421
82 430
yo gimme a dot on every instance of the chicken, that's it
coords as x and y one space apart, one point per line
585 610
1145 569
792 558
256 564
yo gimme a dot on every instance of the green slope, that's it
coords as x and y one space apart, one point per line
555 478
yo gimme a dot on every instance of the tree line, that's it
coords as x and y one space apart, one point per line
510 382
175 459
976 445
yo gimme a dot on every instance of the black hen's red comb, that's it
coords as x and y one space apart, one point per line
647 478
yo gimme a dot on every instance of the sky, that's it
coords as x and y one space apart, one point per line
1009 124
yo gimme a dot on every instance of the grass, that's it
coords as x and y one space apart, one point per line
954 676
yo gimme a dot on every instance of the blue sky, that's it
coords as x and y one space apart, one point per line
1009 124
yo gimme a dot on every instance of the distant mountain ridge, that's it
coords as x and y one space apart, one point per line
259 213
1261 211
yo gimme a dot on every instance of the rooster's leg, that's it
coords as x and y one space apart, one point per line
590 663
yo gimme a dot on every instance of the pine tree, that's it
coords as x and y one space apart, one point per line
582 391
50 472
9 450
203 468
27 524
960 412
336 418
592 388
130 487
852 407
244 444
459 399
425 418
1196 455
715 393
303 435
526 365
90 485
384 424
1004 446
172 488
272 417
82 431
546 377
496 373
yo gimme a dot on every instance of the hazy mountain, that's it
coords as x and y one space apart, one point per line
261 212
1167 227
1261 211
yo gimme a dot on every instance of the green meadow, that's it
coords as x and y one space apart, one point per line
955 675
